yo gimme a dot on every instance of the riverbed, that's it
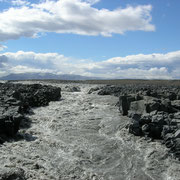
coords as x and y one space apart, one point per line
83 136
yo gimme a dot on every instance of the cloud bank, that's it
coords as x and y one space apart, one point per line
140 66
3 60
71 16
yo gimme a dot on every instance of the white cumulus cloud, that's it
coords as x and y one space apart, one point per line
71 16
140 66
20 3
25 69
92 1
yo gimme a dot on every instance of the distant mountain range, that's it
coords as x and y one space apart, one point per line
27 76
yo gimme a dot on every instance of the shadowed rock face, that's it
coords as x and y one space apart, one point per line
17 99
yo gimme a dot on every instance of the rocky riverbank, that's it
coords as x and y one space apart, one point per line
154 111
17 100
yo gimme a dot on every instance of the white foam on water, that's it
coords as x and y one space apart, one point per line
83 136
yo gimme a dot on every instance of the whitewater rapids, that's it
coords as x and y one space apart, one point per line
84 137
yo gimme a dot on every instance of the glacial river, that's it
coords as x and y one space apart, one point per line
84 137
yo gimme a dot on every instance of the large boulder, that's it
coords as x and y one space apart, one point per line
138 107
176 104
9 125
125 102
94 90
152 105
135 128
124 105
72 89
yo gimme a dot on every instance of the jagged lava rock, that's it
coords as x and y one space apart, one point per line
17 99
154 113
72 89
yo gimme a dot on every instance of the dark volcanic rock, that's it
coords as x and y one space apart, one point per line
13 174
93 90
176 104
110 90
154 112
126 101
37 95
9 125
17 99
72 89
124 105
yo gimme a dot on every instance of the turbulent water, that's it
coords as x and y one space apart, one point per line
83 136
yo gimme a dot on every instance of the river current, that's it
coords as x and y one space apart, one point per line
83 136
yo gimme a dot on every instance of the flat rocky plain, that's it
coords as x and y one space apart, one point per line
84 136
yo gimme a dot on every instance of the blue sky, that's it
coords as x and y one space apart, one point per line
99 38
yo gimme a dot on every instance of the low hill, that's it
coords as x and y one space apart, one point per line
26 76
